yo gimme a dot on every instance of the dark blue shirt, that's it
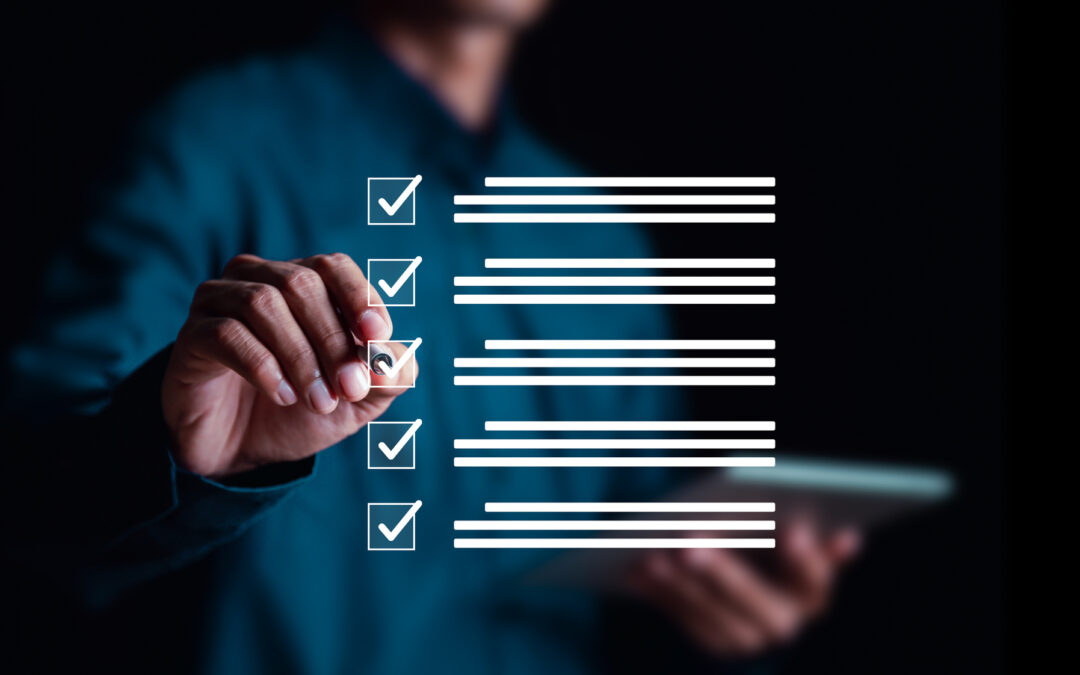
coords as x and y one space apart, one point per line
272 157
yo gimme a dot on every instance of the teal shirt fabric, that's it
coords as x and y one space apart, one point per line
271 156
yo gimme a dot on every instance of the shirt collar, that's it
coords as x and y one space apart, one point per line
406 109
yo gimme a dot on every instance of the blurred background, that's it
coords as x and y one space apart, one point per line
883 125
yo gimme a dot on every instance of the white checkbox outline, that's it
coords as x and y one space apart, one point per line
407 505
412 198
412 446
372 282
407 343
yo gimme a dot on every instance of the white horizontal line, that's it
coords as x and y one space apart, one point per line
627 425
614 217
627 181
631 344
614 443
629 507
613 200
612 542
630 263
593 362
613 525
614 281
611 462
615 380
612 299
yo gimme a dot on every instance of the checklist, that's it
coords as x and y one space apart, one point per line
392 526
392 445
395 279
621 361
578 361
392 201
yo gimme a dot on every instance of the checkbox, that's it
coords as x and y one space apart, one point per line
392 525
392 445
400 362
392 201
395 279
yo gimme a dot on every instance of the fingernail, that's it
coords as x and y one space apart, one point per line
285 392
354 382
373 326
320 398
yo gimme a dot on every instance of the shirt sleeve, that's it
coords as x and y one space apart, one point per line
97 497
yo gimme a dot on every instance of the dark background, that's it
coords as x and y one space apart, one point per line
883 125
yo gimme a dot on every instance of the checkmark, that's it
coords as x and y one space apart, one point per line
392 290
391 453
404 358
391 535
391 209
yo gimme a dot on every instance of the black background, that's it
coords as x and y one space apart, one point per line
882 123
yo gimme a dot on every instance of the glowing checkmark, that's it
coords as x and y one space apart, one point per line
391 209
392 290
393 452
404 358
391 535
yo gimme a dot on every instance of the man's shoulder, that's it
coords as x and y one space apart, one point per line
248 98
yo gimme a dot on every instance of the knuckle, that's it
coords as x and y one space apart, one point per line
204 291
302 281
260 298
335 338
188 334
301 359
225 331
322 263
330 263
264 367
239 261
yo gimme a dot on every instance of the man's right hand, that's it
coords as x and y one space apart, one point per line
269 365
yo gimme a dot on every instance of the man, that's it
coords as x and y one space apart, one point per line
204 340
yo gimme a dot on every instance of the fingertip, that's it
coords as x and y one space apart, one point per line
285 395
354 381
846 544
320 398
799 539
373 326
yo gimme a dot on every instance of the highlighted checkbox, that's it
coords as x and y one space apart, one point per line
392 525
395 278
400 362
392 445
392 201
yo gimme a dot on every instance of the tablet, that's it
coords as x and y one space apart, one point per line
833 493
